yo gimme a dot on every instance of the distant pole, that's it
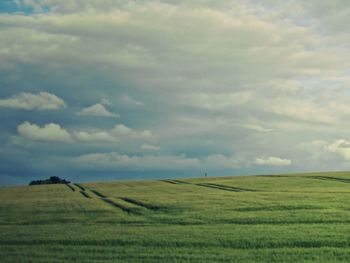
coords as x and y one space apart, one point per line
205 174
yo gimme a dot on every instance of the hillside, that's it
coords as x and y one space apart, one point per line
276 218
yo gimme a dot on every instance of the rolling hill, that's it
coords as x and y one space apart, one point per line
267 218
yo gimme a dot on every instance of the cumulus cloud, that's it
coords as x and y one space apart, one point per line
97 110
94 136
150 147
146 162
120 130
29 101
340 147
49 132
273 161
114 160
325 149
122 135
323 154
118 133
54 132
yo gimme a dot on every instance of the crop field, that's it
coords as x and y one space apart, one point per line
271 218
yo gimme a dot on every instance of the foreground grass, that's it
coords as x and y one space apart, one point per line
289 218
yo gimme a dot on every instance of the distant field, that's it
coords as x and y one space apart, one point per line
287 218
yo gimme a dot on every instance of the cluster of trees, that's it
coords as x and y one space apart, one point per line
51 180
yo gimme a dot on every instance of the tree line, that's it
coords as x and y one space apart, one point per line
51 180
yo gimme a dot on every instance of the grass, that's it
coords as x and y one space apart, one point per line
289 218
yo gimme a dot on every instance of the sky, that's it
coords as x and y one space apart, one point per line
122 89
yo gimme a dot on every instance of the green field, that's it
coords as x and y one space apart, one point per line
285 218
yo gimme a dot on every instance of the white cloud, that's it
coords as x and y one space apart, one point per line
94 136
120 131
114 160
49 132
340 147
324 154
54 132
214 162
273 161
29 101
97 110
120 134
150 147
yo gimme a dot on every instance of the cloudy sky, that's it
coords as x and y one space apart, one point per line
115 89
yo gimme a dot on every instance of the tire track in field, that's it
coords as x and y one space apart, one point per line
98 194
70 187
169 181
85 194
82 188
181 182
342 180
104 198
211 185
225 187
174 181
130 210
142 204
120 206
274 175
